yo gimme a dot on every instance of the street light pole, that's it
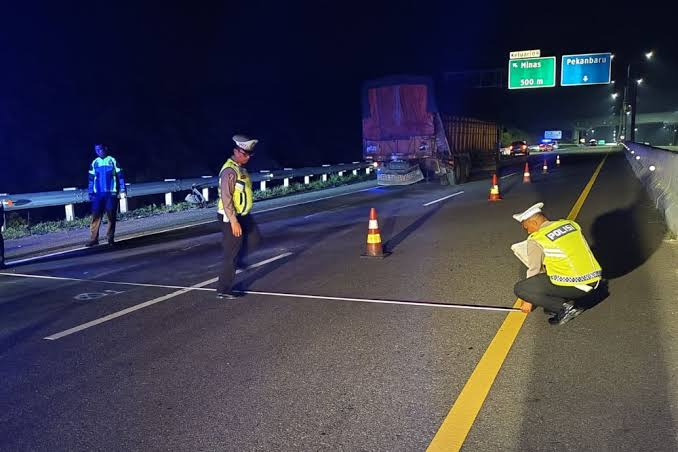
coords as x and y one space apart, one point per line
633 86
634 100
622 112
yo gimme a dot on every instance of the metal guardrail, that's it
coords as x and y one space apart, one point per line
70 196
657 170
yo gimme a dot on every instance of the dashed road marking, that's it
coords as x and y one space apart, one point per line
443 198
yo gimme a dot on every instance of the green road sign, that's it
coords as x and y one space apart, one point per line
532 73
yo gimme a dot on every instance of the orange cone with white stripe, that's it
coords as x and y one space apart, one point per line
557 160
545 168
526 174
374 247
494 190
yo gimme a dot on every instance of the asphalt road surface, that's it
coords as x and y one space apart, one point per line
127 348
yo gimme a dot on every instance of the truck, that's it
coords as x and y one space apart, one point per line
407 138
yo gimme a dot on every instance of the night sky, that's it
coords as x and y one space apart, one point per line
168 83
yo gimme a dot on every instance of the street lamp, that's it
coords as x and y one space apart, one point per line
631 94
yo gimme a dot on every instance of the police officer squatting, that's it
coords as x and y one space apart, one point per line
561 269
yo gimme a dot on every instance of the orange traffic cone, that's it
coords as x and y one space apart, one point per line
526 174
557 160
374 247
494 190
545 168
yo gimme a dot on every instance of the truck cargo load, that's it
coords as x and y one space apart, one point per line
408 139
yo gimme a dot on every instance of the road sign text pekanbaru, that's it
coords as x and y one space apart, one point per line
585 69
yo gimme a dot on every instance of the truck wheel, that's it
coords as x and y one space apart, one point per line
463 169
458 172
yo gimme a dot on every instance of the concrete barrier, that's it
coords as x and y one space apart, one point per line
657 169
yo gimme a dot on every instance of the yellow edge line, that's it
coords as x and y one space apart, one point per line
458 422
584 194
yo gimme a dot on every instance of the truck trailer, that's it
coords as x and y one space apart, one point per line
407 138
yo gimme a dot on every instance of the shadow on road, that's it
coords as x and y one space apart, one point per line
604 380
397 239
308 241
624 239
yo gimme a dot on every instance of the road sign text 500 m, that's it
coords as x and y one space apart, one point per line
531 81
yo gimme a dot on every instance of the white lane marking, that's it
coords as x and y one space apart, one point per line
123 239
115 315
443 199
177 228
508 175
326 211
43 256
368 300
160 286
313 200
63 278
267 261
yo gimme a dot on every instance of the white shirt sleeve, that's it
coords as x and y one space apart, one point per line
535 258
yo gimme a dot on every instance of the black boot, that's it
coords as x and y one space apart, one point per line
566 313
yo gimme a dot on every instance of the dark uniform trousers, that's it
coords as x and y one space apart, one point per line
250 239
540 291
103 202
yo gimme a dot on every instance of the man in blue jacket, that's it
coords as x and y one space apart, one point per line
106 182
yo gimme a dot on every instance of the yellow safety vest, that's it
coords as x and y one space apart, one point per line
242 193
567 257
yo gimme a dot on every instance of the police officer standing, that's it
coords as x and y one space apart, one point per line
233 208
106 182
561 267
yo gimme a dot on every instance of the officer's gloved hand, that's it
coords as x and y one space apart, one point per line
123 195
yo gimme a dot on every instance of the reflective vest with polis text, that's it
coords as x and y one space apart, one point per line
567 257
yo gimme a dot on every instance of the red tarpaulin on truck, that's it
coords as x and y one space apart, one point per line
398 112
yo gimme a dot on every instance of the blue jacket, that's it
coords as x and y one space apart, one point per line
105 176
